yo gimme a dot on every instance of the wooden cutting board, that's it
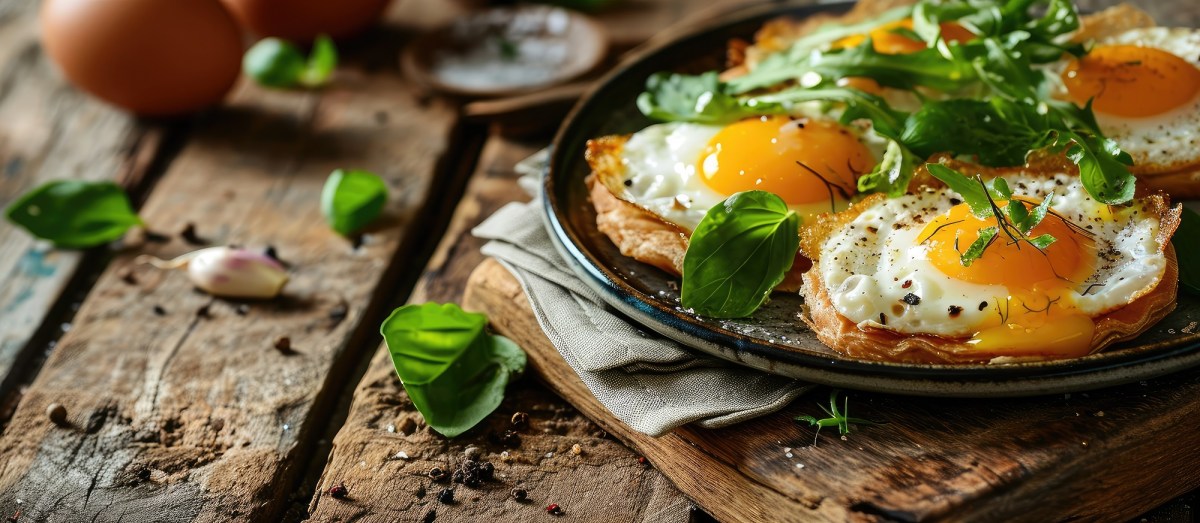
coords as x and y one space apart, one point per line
1099 456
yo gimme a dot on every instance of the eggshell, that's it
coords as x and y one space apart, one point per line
303 20
152 57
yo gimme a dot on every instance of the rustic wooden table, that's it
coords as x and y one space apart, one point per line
173 415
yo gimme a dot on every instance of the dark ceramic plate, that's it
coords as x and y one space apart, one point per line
774 339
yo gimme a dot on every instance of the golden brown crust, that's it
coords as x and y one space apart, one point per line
1111 22
638 233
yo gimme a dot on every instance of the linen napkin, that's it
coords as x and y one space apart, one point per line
649 382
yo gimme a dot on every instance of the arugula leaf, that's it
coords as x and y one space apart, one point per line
972 191
1039 213
454 372
986 236
893 174
74 214
1103 167
792 63
701 98
1187 251
738 253
887 122
925 67
352 200
997 132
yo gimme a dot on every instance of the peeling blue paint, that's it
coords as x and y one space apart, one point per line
34 264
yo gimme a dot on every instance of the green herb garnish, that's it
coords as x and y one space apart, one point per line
995 111
1014 220
738 253
352 200
75 214
274 62
701 98
454 372
837 418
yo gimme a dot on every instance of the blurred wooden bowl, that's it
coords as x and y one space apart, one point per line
506 51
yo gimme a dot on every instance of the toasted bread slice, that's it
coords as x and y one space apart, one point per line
846 337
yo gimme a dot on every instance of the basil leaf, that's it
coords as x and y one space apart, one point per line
352 200
321 62
472 388
1187 251
972 191
893 174
273 62
74 214
425 340
1018 214
738 253
454 372
986 236
700 98
1000 189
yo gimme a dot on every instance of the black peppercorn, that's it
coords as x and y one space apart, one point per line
458 476
487 471
472 480
446 496
429 516
519 494
470 466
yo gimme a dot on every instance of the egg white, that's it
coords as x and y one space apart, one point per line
1162 141
865 272
662 174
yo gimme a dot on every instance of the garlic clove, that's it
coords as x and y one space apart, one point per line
229 272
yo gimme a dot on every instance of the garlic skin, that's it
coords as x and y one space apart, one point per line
229 272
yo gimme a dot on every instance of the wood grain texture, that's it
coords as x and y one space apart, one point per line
604 482
48 131
1101 456
186 417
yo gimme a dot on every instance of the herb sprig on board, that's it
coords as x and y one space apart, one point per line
839 418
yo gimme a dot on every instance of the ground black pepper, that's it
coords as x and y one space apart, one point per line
159 310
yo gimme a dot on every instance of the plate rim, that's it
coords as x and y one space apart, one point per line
1015 379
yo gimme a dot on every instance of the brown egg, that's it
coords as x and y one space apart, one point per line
152 57
303 20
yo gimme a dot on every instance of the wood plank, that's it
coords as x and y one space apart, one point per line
48 131
1106 455
180 416
604 482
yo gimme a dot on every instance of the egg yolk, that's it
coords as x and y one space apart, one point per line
1131 81
1038 316
801 161
890 38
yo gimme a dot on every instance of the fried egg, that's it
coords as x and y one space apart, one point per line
1145 87
679 171
897 266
